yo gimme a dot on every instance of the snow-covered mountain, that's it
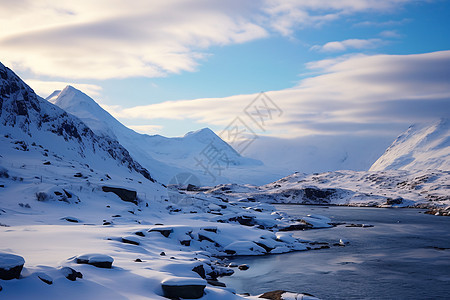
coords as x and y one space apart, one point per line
31 123
421 147
165 157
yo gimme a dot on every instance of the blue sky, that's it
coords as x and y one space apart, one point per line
155 66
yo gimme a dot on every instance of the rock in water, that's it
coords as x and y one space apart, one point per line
10 266
183 287
96 260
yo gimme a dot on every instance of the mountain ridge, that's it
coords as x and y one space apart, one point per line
421 146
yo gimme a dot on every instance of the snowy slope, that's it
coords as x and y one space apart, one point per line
421 147
164 156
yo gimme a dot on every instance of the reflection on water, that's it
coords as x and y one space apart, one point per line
396 259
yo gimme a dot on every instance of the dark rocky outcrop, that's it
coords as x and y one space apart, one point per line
124 194
200 271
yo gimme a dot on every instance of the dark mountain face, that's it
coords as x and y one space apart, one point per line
22 109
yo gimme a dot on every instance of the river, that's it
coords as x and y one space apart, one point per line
406 255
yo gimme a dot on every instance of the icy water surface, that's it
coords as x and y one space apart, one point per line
396 259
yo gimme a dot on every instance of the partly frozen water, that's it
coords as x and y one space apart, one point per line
398 258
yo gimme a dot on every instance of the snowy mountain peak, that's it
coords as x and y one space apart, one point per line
28 120
52 97
421 146
201 132
84 107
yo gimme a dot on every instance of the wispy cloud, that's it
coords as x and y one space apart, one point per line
359 94
112 39
390 34
350 44
384 24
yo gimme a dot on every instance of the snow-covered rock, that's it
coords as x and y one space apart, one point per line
97 260
10 266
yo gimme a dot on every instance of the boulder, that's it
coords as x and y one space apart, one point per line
124 194
243 267
183 287
71 274
96 260
10 266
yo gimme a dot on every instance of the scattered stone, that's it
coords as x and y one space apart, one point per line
78 175
96 260
71 219
44 277
183 287
243 267
439 211
130 240
10 266
71 274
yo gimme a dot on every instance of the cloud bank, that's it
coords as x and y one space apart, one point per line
106 39
353 95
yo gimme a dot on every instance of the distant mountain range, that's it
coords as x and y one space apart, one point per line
165 157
